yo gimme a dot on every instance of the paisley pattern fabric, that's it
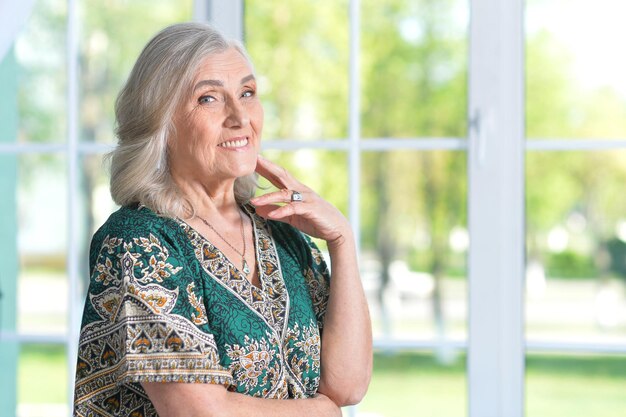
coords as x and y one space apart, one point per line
165 305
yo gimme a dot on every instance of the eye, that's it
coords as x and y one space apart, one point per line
248 94
206 99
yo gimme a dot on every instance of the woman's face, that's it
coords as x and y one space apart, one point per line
218 124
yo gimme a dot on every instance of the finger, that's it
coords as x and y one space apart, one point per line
277 175
284 213
265 210
280 196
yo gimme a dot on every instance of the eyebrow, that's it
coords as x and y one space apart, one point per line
218 83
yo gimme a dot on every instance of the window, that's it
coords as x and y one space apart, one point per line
409 116
575 281
374 94
65 68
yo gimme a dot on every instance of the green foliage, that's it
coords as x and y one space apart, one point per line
108 49
41 55
413 68
617 252
562 183
301 55
570 264
414 85
414 64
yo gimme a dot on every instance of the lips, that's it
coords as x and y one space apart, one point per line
235 143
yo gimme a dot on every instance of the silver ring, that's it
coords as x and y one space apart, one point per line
296 196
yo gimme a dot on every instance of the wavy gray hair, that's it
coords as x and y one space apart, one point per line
144 111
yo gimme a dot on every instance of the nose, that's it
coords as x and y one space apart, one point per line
236 114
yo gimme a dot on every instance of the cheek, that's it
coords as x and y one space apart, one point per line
188 146
257 118
202 136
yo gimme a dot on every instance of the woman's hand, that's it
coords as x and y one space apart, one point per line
346 354
313 215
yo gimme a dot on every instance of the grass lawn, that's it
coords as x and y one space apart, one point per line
409 384
414 384
574 386
42 375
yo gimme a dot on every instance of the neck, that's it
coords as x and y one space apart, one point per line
211 200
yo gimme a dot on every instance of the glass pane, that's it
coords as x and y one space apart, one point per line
576 250
95 192
42 381
113 34
575 385
300 52
41 57
414 244
42 293
575 84
96 206
415 384
413 68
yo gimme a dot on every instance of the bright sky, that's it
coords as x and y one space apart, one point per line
592 31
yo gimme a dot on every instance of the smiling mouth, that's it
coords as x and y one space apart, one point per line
237 143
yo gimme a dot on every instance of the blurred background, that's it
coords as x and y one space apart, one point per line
379 128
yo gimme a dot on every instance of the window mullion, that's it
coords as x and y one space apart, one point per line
73 239
9 349
226 16
496 210
354 126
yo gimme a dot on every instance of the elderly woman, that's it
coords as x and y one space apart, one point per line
205 300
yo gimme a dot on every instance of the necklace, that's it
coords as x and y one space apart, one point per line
244 265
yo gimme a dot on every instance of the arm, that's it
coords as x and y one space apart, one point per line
346 355
347 339
207 400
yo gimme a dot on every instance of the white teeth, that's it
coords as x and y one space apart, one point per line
234 143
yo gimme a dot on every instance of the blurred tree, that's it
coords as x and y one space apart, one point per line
301 57
562 186
108 50
413 66
413 74
414 84
41 55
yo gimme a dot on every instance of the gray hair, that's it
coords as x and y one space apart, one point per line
144 111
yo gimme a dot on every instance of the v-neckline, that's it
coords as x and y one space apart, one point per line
271 299
229 261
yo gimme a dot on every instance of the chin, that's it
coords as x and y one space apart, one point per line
246 169
250 163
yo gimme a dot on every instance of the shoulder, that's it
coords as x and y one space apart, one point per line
137 230
134 221
136 246
130 223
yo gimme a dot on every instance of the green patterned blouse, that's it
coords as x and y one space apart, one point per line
164 304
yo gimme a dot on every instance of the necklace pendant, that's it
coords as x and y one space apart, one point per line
246 268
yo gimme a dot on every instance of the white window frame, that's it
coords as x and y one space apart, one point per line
495 360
